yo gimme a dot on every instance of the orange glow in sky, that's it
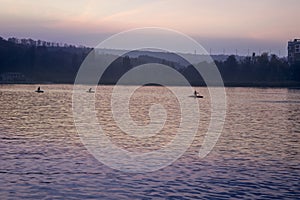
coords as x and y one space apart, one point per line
261 20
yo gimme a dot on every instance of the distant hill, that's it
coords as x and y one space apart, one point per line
170 56
29 61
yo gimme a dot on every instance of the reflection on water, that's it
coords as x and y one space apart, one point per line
257 155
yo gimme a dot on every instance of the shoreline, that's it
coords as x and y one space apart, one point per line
289 85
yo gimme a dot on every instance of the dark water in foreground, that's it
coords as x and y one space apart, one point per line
256 157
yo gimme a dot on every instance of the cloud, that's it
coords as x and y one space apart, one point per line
258 19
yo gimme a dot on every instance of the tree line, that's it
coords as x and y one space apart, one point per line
60 64
257 70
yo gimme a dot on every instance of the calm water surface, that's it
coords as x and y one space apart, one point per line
256 157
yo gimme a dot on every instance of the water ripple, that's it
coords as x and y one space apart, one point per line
42 157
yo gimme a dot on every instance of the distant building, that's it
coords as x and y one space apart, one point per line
294 51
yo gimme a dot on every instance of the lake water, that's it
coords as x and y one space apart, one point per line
256 157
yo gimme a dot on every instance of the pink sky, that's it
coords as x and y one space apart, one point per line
217 24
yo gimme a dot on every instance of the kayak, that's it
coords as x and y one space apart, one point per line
197 96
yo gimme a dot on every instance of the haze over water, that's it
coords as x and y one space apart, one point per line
257 155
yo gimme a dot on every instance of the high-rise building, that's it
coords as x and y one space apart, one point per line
294 51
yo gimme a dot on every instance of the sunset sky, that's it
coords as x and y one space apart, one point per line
219 25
